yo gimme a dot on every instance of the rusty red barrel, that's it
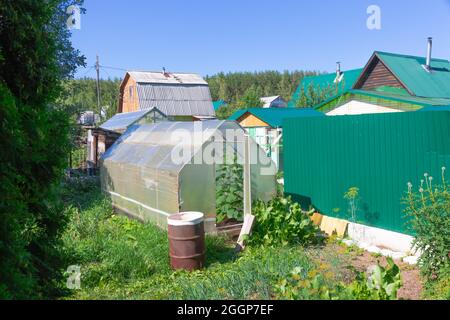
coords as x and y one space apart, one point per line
186 240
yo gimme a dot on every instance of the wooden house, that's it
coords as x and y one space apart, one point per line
389 82
179 96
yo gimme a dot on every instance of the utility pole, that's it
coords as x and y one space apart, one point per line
97 67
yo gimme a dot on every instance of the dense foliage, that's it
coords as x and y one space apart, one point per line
229 195
314 95
381 283
232 86
244 89
429 213
81 95
35 54
281 222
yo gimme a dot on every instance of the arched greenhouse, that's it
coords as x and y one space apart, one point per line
154 170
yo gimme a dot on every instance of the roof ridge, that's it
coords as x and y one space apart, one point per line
169 72
328 73
409 56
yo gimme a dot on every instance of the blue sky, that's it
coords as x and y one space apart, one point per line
209 36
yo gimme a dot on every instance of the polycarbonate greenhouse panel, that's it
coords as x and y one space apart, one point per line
144 179
377 153
121 121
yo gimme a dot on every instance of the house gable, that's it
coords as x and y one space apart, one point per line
353 107
376 74
128 101
248 120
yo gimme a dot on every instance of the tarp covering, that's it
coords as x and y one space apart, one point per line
157 169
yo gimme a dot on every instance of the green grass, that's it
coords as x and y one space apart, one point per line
124 259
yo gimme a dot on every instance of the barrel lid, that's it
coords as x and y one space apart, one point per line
185 218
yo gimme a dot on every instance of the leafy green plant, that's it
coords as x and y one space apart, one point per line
352 196
229 191
440 288
309 286
281 222
429 213
381 284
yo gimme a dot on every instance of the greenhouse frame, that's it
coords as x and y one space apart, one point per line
154 170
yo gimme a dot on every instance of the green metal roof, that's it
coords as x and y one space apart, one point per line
217 104
274 116
323 81
420 101
410 71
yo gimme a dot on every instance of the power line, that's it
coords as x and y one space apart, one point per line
114 68
84 74
107 73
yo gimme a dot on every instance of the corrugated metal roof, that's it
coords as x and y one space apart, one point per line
274 116
176 100
167 78
121 121
410 71
325 80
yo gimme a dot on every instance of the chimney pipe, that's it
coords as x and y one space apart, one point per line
430 46
338 69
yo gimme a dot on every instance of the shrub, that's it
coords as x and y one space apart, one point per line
35 54
440 288
282 222
429 213
229 194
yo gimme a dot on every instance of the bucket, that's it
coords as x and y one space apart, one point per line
186 240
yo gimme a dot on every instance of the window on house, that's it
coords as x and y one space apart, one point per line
131 92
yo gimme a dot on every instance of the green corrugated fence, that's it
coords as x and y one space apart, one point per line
377 153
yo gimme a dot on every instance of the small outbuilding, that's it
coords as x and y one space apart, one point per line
101 138
264 125
273 102
154 170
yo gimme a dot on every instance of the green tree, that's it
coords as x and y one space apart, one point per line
252 98
232 86
35 54
81 95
